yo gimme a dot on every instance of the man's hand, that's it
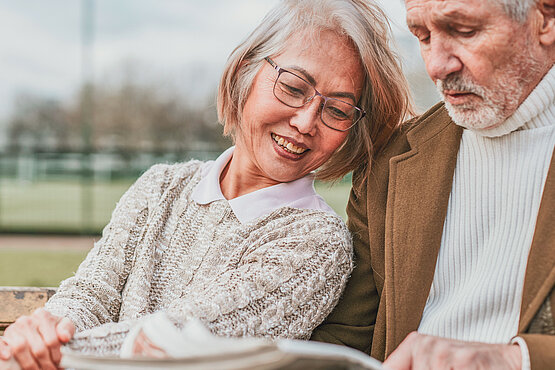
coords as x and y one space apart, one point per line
420 351
35 341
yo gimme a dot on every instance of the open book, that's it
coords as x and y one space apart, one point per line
194 347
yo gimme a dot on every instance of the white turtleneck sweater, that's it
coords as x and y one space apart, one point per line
491 217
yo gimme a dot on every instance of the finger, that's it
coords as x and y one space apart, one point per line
148 343
5 351
47 331
21 352
144 347
154 352
151 350
401 358
26 342
138 347
39 350
65 329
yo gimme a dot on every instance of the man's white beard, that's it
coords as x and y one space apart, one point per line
489 111
494 103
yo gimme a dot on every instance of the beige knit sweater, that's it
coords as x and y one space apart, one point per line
278 276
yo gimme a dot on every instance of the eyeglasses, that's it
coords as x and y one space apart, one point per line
294 91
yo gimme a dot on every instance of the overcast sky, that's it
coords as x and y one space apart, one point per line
182 42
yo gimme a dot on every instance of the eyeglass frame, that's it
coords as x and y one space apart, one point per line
316 93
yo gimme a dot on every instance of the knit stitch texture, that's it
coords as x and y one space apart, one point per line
277 276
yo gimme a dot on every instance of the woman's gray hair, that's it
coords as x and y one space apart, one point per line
517 9
385 96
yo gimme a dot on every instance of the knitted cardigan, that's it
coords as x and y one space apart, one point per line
277 276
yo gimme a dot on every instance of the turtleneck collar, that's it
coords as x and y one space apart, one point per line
539 100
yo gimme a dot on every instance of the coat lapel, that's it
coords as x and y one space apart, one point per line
419 187
540 271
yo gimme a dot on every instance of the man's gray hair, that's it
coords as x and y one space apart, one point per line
517 9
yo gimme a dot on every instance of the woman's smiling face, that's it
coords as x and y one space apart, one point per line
276 143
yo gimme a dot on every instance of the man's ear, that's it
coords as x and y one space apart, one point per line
547 25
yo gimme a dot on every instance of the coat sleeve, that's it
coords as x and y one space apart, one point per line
541 348
279 284
352 321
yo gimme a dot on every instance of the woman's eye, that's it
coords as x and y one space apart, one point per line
291 90
336 113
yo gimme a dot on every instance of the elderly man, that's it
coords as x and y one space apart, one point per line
455 231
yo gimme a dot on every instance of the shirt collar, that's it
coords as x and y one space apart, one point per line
296 194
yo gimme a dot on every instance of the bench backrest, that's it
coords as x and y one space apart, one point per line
17 301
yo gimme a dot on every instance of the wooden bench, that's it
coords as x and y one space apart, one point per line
17 301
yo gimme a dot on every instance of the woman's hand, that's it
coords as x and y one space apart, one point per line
6 360
143 347
35 341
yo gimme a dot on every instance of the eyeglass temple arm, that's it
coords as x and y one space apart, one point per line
272 63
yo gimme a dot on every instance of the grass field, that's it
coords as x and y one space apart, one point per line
37 268
58 206
55 206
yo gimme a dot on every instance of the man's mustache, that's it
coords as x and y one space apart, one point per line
459 83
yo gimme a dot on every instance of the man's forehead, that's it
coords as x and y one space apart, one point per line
456 9
453 4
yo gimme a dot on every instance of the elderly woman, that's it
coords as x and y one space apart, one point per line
243 243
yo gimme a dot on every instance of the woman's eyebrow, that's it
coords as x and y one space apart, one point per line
304 72
311 79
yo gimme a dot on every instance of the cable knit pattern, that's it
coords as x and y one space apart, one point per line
277 276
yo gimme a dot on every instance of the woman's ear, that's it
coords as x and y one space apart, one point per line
547 26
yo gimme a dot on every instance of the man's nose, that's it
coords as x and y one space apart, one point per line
441 59
306 118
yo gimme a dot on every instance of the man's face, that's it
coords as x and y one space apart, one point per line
483 63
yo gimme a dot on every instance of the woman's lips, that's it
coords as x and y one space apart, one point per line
288 145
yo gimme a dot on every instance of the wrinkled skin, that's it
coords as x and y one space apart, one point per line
475 41
425 352
34 341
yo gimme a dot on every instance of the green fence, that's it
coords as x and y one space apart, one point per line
73 193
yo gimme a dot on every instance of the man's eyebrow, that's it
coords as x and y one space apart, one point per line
443 17
413 25
455 15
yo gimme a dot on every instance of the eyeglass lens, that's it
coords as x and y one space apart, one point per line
295 92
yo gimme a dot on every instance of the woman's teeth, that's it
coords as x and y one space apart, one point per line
290 147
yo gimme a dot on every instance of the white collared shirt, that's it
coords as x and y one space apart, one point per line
295 194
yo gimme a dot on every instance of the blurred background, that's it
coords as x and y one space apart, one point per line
93 92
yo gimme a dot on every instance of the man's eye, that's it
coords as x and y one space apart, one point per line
465 31
424 39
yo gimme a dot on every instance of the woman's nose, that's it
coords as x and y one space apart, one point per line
306 118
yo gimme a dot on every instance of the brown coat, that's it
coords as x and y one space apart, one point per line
397 217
